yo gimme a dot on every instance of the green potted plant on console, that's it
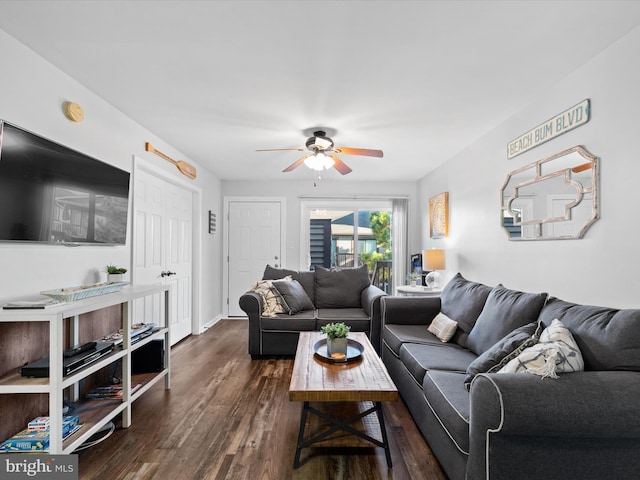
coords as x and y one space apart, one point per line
115 274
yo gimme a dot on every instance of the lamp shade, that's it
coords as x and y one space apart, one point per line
434 259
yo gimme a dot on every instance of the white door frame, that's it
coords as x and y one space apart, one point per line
225 238
151 169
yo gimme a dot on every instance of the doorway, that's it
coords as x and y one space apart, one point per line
255 236
163 246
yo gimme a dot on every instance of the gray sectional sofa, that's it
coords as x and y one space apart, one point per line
326 296
580 425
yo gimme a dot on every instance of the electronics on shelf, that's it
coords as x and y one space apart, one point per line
40 368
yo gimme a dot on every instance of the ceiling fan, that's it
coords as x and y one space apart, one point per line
322 158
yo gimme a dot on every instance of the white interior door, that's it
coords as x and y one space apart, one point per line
254 241
163 215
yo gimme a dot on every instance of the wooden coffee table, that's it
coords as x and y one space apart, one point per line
347 393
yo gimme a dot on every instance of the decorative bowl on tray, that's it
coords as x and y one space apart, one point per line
354 352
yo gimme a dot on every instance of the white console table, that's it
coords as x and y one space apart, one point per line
94 414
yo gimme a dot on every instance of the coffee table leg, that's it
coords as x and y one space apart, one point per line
383 430
303 422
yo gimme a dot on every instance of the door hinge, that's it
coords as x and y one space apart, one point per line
227 258
227 300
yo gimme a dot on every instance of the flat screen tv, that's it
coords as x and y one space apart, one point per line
55 195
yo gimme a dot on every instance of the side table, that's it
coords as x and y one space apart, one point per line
417 291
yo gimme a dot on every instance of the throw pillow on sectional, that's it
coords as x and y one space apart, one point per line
557 352
272 273
340 288
504 351
443 327
609 338
462 301
295 298
504 311
306 279
272 301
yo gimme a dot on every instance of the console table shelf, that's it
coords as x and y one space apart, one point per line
94 414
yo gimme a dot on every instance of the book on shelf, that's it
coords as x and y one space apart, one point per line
138 332
37 439
110 391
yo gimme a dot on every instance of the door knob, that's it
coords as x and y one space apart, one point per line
167 273
276 257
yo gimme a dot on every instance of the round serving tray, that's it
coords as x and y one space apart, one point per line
354 351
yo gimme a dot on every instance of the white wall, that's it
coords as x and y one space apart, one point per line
601 268
32 92
292 191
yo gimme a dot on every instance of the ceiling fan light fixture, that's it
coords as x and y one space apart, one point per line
319 161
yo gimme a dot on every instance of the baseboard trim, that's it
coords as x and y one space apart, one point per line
210 323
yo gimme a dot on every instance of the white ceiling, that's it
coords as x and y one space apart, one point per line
217 80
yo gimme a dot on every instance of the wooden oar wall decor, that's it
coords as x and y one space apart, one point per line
184 167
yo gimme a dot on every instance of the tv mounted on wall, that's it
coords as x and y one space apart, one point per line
55 195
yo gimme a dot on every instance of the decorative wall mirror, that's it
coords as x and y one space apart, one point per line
553 198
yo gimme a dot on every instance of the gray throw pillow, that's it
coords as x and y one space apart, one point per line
307 279
340 288
295 298
504 311
608 338
462 301
504 351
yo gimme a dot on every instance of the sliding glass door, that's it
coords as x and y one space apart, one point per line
346 233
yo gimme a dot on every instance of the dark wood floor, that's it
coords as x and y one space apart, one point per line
228 417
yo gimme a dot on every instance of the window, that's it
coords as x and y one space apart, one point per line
346 233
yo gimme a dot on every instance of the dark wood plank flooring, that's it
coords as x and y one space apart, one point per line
228 417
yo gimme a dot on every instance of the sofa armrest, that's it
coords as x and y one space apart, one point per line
409 310
251 304
370 301
584 405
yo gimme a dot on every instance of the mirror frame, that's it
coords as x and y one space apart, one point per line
507 197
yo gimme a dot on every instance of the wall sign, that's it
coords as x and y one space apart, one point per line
561 123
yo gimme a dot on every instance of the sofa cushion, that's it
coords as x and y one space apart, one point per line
462 301
504 351
556 352
302 321
356 318
295 298
609 339
394 335
504 311
449 401
272 301
420 358
443 327
340 288
306 279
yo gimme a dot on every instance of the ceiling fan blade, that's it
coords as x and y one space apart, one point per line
280 149
339 165
359 151
295 164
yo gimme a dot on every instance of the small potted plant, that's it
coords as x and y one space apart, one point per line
336 339
115 273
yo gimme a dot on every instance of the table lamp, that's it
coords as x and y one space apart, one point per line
434 261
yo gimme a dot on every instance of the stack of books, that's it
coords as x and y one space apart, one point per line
138 332
35 438
110 391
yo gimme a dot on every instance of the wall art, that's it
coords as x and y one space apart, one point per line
439 215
